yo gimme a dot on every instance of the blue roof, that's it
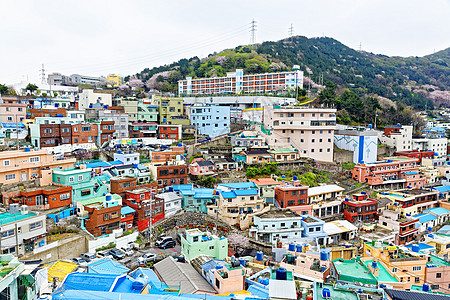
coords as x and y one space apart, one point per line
248 192
89 282
437 211
444 230
99 164
211 264
422 246
228 195
425 218
438 128
142 167
239 185
442 189
13 125
107 266
126 284
126 210
258 291
411 173
115 162
203 193
182 187
149 274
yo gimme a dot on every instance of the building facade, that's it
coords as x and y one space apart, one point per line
211 120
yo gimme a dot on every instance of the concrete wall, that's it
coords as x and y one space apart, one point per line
364 148
63 249
112 238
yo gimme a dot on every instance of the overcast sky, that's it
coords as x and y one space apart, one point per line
101 37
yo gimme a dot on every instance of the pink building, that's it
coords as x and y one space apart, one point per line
390 173
309 130
229 279
201 167
12 110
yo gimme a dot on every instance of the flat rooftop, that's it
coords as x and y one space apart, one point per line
45 188
7 217
383 274
352 270
274 213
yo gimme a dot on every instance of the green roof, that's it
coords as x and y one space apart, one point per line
438 262
383 274
282 150
353 270
98 199
6 218
342 291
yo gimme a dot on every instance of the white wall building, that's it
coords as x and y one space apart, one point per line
436 145
172 203
88 97
76 115
363 144
69 92
401 140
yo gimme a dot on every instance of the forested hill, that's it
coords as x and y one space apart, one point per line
396 78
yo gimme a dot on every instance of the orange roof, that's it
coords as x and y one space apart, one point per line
264 181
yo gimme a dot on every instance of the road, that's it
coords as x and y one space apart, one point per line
132 261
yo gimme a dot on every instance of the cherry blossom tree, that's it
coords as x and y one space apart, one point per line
238 240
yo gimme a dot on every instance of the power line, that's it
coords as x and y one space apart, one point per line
252 33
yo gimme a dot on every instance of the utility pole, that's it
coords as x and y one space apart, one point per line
43 74
291 31
17 133
252 33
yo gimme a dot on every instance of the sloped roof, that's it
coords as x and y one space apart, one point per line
423 218
173 273
107 266
126 210
437 211
409 295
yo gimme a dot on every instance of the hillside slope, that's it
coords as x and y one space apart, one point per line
365 73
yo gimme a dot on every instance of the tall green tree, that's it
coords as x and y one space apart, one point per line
3 89
32 87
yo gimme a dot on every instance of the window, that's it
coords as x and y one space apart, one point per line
394 270
64 196
142 196
417 268
435 286
35 225
438 275
71 179
211 247
85 192
6 163
10 177
80 177
8 233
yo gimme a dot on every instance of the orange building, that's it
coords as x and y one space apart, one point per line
161 157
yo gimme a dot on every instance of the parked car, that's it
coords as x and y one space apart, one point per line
79 151
116 253
79 261
162 240
127 250
146 258
179 236
133 245
88 256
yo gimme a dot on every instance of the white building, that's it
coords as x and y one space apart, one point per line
363 144
172 203
70 92
76 115
339 230
22 230
120 122
398 137
88 97
438 145
324 192
310 130
127 157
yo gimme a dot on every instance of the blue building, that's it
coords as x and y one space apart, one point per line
195 199
211 120
313 228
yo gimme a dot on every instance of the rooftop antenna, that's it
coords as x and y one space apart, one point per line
291 31
253 33
43 74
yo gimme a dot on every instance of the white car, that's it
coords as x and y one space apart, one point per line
146 258
128 251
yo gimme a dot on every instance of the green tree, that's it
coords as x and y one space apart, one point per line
3 89
31 87
55 94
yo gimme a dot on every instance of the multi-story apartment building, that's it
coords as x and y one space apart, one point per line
45 197
310 130
291 194
404 227
390 173
277 225
170 132
22 231
120 184
413 201
238 83
106 132
120 121
237 206
195 199
115 79
143 130
148 209
437 145
89 97
211 120
85 133
147 113
22 165
398 137
161 157
103 217
12 110
172 203
360 208
47 112
74 79
84 186
167 175
168 108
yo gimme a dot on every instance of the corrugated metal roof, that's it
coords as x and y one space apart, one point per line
282 289
175 274
437 211
126 210
408 295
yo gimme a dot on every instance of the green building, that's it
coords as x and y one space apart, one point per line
195 243
147 113
170 110
84 186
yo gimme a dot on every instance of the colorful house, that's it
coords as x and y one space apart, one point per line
200 167
127 217
148 208
360 208
194 243
195 199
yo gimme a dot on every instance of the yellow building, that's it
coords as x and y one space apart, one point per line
170 110
115 79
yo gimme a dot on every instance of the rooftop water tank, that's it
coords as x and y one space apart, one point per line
299 248
265 281
370 126
242 261
170 189
135 166
119 151
218 267
430 229
281 274
259 256
295 178
374 264
363 193
415 248
323 255
326 293
138 284
426 287
108 197
180 144
292 247
27 149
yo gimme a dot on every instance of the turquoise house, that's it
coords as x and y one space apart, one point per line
195 242
84 186
195 199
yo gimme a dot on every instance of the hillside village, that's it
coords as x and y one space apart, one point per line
262 196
